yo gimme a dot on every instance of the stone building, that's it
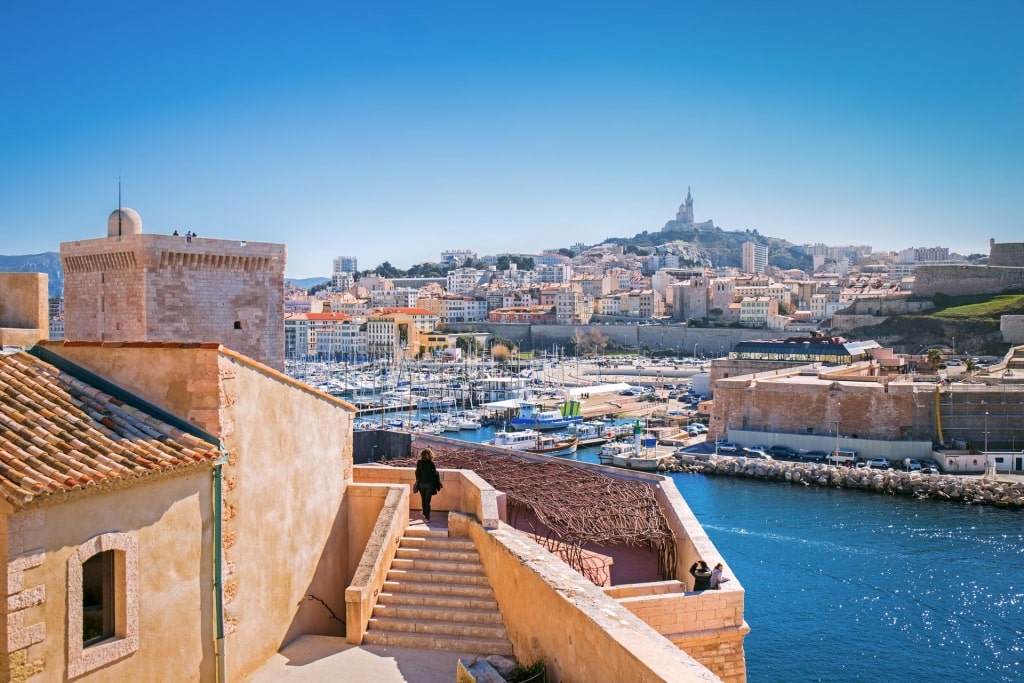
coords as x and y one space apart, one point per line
132 286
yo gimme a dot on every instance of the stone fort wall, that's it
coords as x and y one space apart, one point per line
1012 327
957 280
147 287
1009 254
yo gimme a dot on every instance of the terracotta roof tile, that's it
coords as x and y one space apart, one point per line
59 434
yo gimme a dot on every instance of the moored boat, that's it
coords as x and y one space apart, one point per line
533 416
532 441
591 432
615 448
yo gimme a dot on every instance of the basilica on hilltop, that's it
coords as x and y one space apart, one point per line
684 217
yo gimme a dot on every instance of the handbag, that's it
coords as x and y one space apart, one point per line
416 487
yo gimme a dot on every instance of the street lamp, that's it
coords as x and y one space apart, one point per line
835 453
986 433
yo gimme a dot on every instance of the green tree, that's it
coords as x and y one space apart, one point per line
468 344
934 357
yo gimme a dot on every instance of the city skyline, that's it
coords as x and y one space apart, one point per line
395 132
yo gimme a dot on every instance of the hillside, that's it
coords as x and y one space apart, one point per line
721 247
47 262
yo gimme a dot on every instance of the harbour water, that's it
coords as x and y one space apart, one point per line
848 586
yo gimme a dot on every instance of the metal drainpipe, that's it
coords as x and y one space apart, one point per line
218 564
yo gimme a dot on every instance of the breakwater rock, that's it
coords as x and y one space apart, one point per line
960 489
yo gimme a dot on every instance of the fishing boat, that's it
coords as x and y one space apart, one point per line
614 448
533 416
633 461
591 432
532 441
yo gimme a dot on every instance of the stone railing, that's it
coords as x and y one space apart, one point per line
380 547
462 490
554 613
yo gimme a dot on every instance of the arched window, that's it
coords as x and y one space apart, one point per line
103 602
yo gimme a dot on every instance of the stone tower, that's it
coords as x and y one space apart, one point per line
132 286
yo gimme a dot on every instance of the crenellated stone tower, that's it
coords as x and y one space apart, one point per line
132 286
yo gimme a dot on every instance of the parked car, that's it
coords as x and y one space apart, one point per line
702 428
782 452
727 447
954 362
814 456
913 465
878 464
756 454
843 456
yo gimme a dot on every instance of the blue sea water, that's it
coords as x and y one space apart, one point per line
851 586
848 586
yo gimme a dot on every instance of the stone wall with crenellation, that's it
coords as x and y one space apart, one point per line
164 288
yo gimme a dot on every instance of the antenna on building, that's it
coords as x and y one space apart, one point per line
118 204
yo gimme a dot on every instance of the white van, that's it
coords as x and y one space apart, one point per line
842 456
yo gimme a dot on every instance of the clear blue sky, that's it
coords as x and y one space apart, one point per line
395 130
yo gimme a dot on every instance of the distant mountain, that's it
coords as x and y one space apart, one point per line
47 262
307 282
721 247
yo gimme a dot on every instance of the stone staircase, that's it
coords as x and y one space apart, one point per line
437 597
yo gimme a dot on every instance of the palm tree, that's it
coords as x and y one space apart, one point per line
934 357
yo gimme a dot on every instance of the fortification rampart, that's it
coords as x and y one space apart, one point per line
962 280
1012 327
1006 254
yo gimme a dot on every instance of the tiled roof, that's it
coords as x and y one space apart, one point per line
59 434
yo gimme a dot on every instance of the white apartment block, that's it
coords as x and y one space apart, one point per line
923 255
818 303
462 309
463 280
754 311
399 297
555 274
754 257
457 256
572 307
345 264
324 335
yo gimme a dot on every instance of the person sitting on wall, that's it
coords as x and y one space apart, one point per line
716 577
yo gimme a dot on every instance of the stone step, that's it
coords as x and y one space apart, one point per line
404 586
419 575
427 565
462 629
437 554
401 597
430 614
424 532
461 544
481 646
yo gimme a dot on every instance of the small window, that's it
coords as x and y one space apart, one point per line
98 598
238 324
102 602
